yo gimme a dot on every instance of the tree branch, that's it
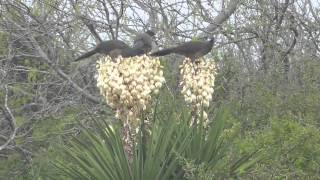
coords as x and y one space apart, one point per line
223 16
88 23
91 28
12 120
60 72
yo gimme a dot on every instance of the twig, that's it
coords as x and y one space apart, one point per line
12 120
60 72
223 16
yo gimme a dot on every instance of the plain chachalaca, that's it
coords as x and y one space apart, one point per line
105 47
115 48
144 41
191 49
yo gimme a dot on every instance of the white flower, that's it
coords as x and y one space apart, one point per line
205 115
197 86
128 84
206 103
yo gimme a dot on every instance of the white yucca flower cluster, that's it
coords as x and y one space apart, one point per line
129 83
197 84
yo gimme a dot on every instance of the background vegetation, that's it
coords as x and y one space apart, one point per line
268 59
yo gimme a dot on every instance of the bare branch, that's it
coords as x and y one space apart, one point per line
88 23
60 72
107 14
295 35
223 16
12 120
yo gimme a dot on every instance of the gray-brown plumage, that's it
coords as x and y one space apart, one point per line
114 48
191 49
144 41
105 47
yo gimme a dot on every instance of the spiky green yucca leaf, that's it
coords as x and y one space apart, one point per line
100 154
209 147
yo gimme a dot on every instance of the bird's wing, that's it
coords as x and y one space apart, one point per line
163 52
138 44
117 44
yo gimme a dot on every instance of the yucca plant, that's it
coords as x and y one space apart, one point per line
206 156
101 155
161 155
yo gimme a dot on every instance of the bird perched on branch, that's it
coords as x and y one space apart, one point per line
144 41
191 49
114 48
105 47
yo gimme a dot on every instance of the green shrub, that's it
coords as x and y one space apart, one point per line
293 150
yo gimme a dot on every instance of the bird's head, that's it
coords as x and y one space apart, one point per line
153 36
150 33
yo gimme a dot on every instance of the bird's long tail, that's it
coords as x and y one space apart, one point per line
163 52
86 55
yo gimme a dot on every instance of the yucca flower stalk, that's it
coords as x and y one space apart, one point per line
197 86
172 151
128 85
